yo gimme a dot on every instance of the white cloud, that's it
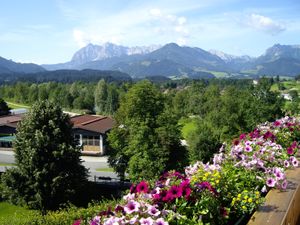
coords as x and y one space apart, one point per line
170 25
265 24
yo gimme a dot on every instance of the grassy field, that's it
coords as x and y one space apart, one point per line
8 210
13 105
188 125
7 164
105 170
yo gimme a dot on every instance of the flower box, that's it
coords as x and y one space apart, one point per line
281 207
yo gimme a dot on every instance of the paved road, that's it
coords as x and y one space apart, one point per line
90 162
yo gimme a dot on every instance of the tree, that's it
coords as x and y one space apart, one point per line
101 97
49 170
4 109
146 140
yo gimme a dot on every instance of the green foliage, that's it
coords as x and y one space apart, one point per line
146 140
225 112
22 216
49 170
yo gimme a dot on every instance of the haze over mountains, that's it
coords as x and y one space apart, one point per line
172 60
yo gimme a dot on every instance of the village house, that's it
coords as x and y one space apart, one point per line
90 131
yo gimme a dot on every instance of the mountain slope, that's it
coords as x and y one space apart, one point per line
9 66
174 60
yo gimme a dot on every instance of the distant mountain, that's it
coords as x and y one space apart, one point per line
92 53
65 76
9 66
182 61
279 60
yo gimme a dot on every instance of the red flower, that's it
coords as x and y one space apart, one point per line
142 187
236 142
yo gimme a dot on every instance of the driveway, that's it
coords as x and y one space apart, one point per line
90 162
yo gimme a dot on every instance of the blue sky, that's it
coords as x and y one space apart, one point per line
51 31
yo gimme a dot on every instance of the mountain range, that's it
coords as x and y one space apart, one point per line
172 60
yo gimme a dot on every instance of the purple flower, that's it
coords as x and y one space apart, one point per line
95 220
294 161
248 148
284 184
160 221
146 221
286 163
279 174
206 185
132 206
153 211
271 182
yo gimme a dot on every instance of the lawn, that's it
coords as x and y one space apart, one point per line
11 214
7 164
105 170
188 125
13 105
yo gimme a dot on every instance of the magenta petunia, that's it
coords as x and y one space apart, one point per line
168 198
277 123
290 150
242 136
77 222
186 192
142 187
176 191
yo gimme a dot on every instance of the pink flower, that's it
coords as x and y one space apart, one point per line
146 221
286 163
77 222
176 191
142 187
248 148
271 182
277 123
290 150
132 206
161 221
186 192
153 211
242 136
284 184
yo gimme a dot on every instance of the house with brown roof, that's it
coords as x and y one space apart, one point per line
91 131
